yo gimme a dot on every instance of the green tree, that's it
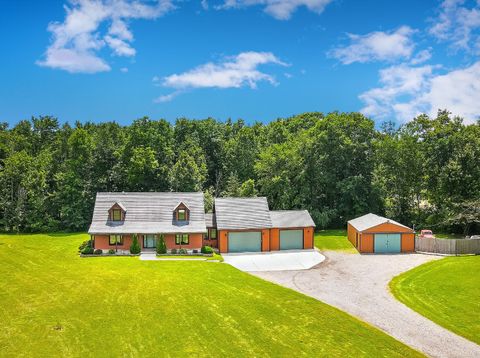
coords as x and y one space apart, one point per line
187 175
161 246
143 170
135 247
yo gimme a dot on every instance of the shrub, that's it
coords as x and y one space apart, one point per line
161 246
135 247
87 250
207 250
183 251
86 243
173 251
111 252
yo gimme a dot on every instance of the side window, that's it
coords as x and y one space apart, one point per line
213 234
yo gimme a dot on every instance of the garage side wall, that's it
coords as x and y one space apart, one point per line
308 238
351 234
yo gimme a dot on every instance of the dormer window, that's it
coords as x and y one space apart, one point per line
117 215
181 212
117 212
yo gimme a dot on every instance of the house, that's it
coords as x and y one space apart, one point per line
178 217
237 224
371 233
247 225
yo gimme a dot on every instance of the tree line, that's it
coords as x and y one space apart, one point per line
338 166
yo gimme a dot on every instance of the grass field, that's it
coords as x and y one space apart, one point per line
54 303
446 291
335 240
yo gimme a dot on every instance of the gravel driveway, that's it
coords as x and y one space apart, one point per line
358 284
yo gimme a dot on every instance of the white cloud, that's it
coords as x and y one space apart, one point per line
422 57
77 40
279 9
167 98
458 25
376 46
204 4
238 71
234 72
124 69
408 91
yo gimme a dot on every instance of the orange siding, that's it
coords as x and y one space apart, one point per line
211 243
351 231
195 241
222 241
408 242
308 238
102 242
274 239
366 243
389 228
266 240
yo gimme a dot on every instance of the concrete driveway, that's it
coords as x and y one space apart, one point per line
275 261
358 284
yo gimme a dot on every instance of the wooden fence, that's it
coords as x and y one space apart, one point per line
448 246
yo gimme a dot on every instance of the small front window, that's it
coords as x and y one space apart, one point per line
117 215
182 214
181 239
213 234
115 240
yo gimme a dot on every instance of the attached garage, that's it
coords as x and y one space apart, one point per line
247 225
291 239
375 234
245 241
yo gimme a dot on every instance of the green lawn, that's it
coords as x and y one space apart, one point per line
335 240
446 291
54 303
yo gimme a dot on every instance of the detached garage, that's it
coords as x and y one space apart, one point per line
375 234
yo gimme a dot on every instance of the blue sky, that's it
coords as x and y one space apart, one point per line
99 60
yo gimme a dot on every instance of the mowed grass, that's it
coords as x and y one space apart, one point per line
446 291
54 303
333 240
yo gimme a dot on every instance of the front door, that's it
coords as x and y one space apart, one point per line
149 241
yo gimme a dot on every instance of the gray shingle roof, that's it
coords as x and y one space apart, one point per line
291 218
148 213
370 220
242 213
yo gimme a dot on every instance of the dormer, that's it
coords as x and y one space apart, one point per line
181 212
117 212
